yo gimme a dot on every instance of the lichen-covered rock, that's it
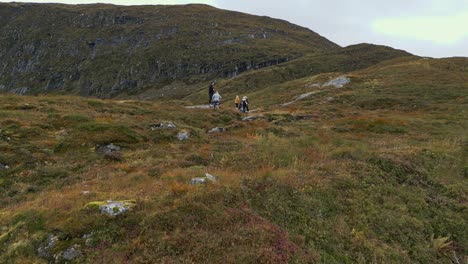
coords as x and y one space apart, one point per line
71 253
183 135
45 250
112 208
88 238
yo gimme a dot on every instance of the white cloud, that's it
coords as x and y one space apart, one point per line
437 29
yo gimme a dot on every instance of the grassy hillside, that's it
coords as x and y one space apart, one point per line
347 59
374 172
107 50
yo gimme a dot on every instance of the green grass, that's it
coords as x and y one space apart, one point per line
369 178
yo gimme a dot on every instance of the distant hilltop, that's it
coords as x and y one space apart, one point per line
106 50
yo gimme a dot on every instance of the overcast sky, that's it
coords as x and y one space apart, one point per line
436 28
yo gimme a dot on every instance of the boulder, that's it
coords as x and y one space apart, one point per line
110 151
108 148
203 180
183 135
198 181
217 130
112 208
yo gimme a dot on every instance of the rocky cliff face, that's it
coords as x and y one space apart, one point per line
106 50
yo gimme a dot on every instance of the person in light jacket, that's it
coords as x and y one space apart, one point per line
216 99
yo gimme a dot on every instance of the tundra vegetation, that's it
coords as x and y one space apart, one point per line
371 172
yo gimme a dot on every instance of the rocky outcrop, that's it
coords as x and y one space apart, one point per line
339 82
110 151
45 250
71 253
20 91
111 208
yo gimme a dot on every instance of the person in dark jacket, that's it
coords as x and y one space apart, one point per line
244 105
211 92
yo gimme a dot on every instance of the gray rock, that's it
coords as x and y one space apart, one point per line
72 253
217 130
44 251
210 177
110 151
2 87
88 239
198 181
183 135
164 125
115 208
338 82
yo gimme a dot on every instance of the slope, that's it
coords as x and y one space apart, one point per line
376 174
106 50
347 59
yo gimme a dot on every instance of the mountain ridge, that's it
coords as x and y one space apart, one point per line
115 48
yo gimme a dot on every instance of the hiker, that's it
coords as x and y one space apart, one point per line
244 105
211 92
237 101
216 99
